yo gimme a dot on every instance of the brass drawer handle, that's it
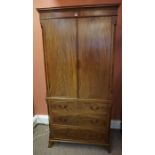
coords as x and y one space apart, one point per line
94 108
94 121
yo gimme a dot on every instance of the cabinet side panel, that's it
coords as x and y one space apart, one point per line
59 37
95 57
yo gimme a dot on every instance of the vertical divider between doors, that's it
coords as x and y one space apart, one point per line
77 56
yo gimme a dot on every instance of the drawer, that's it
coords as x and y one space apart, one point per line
58 14
96 122
83 107
77 134
109 11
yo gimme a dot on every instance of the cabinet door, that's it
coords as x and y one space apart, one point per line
59 37
95 54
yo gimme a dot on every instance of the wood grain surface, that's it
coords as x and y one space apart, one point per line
60 57
79 63
95 57
80 107
77 134
87 121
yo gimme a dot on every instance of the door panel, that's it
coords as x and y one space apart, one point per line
95 57
59 36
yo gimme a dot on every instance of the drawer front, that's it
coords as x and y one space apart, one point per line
80 107
109 11
59 14
95 122
78 134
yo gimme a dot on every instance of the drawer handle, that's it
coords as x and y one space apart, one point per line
65 106
62 120
94 121
62 106
94 108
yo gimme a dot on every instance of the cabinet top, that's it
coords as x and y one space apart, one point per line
78 11
77 7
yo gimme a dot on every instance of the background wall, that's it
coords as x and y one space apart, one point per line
39 87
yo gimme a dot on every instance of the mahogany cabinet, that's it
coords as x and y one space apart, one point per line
79 63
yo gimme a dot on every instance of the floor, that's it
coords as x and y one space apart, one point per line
40 142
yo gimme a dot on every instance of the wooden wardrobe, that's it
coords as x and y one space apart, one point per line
79 63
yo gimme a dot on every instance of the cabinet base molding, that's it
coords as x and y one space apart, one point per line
43 119
54 141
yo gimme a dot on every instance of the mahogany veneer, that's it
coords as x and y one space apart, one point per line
79 63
